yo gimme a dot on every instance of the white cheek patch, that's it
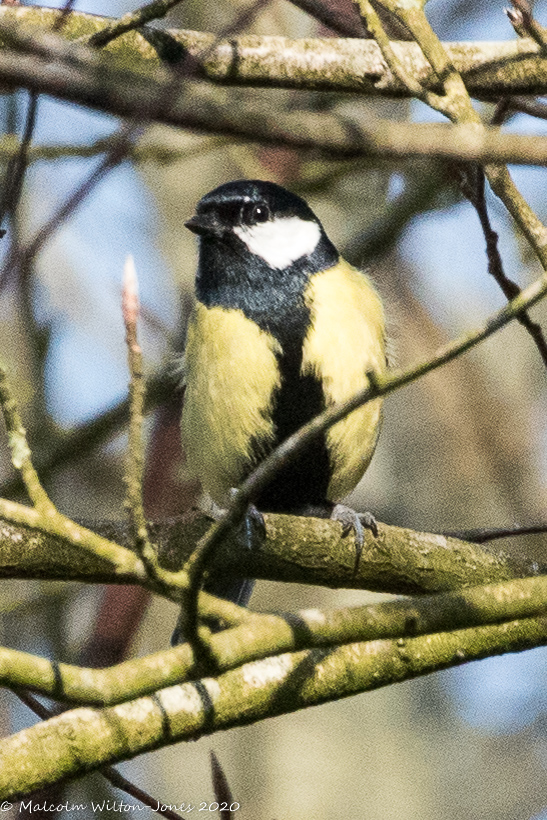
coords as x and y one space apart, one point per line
280 242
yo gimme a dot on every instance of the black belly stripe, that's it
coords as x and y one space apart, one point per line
303 483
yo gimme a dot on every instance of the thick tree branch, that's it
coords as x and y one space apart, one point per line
296 550
78 74
489 69
113 776
84 739
263 635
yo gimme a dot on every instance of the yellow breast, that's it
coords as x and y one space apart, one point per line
231 375
345 340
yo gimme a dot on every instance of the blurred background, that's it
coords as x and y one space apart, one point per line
465 447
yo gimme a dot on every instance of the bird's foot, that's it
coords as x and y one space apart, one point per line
252 529
353 521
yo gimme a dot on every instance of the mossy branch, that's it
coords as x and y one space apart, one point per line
264 635
84 739
295 550
489 69
50 64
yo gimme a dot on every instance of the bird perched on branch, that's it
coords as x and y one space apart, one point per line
282 328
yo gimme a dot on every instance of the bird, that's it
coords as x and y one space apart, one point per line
282 328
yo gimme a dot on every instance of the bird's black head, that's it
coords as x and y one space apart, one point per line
262 220
259 245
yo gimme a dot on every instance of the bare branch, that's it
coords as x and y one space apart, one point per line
20 451
135 465
483 535
264 635
130 21
524 23
489 69
472 187
21 257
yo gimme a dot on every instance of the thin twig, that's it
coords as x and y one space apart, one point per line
472 185
154 152
374 26
16 169
130 21
524 105
108 772
63 15
502 111
221 787
135 462
455 103
80 441
339 18
524 23
23 256
482 536
20 451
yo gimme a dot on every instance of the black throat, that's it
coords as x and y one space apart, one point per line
230 276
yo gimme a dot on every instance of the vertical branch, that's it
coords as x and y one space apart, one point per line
472 187
221 787
20 451
135 462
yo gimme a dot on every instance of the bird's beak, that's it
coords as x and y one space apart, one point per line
205 225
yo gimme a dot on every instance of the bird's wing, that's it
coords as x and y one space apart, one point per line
346 340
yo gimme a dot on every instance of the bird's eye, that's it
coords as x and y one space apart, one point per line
252 213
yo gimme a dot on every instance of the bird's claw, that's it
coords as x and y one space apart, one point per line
254 528
367 520
352 521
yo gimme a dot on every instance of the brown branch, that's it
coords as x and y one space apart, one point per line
524 23
483 535
342 19
489 69
472 185
223 793
213 110
21 257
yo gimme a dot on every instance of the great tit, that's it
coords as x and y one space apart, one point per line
282 328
